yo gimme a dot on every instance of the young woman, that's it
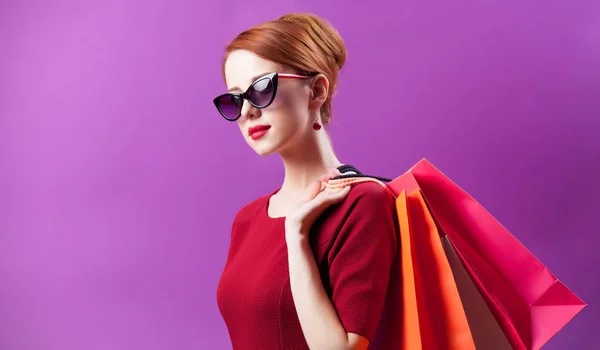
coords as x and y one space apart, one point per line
308 267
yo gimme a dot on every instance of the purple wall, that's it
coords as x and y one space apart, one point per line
118 180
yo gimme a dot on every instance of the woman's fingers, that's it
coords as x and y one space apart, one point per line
331 173
333 195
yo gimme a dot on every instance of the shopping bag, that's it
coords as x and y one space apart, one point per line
527 301
433 316
487 333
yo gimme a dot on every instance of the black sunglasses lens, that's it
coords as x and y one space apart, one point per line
230 106
261 93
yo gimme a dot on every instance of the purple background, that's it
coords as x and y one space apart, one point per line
118 180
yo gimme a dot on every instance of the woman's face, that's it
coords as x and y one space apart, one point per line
283 123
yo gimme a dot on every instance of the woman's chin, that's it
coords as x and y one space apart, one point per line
267 146
264 149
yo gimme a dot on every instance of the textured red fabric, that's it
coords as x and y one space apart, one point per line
354 243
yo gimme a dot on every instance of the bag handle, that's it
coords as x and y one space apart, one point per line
351 175
344 169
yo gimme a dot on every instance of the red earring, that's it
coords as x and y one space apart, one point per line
317 126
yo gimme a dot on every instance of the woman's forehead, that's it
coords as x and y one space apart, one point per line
243 67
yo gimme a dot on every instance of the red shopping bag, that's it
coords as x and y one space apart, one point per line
527 301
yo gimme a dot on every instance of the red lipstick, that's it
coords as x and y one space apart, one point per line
258 131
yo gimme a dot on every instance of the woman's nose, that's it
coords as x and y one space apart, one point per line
249 111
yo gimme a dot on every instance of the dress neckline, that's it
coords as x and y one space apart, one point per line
267 204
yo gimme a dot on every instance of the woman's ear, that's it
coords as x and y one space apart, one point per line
319 91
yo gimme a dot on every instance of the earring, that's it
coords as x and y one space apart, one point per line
316 124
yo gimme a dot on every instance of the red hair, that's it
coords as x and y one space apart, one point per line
304 42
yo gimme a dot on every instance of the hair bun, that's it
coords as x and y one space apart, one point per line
323 34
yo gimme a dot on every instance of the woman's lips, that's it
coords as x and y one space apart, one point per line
258 131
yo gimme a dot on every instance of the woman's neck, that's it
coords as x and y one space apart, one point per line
306 164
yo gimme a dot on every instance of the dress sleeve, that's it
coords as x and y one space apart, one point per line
361 258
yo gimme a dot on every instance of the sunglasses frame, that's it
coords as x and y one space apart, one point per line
273 77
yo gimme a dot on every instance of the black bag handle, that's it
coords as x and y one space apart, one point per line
349 168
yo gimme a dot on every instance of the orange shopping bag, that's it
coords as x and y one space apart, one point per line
433 316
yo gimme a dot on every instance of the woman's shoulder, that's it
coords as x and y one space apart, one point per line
366 218
367 202
252 208
370 193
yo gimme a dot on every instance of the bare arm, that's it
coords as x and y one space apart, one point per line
318 318
359 269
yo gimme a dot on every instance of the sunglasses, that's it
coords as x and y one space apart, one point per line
259 94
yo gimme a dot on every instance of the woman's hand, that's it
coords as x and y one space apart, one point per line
320 198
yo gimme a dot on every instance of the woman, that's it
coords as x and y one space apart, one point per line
308 267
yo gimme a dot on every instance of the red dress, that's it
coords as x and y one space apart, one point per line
354 244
